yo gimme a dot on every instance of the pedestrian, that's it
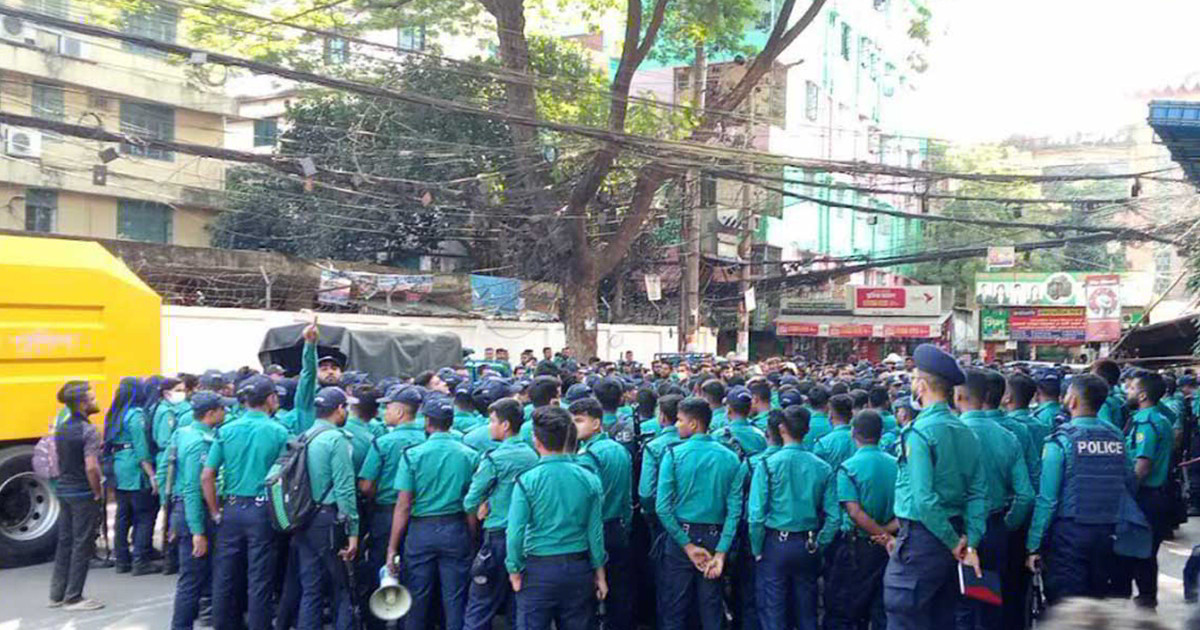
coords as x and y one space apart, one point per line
172 404
492 484
865 487
837 445
244 452
789 498
1084 475
80 493
1150 442
1009 493
554 537
611 462
192 529
135 482
941 501
432 480
699 502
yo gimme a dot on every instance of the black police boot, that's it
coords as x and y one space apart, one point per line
170 565
122 568
145 568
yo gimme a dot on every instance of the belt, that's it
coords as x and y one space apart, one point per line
612 521
494 534
332 507
245 501
558 557
457 517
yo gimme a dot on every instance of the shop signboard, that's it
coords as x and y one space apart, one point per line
913 301
993 324
797 329
1060 288
851 330
910 331
1103 294
1048 325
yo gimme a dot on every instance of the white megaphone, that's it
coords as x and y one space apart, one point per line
391 600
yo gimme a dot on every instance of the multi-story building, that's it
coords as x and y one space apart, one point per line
49 182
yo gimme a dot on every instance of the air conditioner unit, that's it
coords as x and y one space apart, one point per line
22 142
72 47
15 29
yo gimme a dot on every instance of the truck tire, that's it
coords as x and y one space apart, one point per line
28 510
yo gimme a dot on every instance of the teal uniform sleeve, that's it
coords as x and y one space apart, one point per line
193 498
518 520
647 480
733 510
664 504
372 464
303 414
342 478
404 476
756 513
976 512
821 449
1047 499
1143 440
216 456
930 513
595 528
137 433
833 513
1022 499
162 428
482 483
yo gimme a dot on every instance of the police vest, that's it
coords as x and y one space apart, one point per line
1094 479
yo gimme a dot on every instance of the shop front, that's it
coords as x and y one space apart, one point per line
837 337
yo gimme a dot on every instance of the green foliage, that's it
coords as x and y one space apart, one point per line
720 25
918 27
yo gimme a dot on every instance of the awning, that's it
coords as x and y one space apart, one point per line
1177 124
1165 343
848 326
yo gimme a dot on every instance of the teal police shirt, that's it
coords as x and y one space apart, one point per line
1053 466
1016 422
955 486
127 462
818 427
652 456
495 478
245 451
360 440
1041 421
383 458
166 422
612 463
480 439
867 478
555 510
438 473
742 437
192 444
1153 438
790 492
331 471
700 481
1004 466
837 446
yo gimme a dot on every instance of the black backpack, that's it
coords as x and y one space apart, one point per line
289 488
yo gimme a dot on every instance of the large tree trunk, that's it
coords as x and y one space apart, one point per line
580 315
514 55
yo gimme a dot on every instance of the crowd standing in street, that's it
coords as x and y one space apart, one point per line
690 493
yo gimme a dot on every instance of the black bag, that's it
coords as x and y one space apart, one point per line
289 488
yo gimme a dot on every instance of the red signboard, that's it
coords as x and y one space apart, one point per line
850 330
880 297
910 331
1103 296
797 329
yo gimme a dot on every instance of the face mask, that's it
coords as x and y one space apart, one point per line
175 397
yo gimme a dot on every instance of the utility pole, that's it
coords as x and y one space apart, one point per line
745 244
689 312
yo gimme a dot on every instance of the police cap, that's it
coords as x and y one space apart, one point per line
329 358
204 402
933 360
330 398
256 386
738 394
438 408
578 391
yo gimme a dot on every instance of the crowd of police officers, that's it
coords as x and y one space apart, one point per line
680 496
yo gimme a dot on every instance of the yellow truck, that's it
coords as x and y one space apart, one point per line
68 310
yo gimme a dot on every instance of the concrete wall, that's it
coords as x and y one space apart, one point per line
198 338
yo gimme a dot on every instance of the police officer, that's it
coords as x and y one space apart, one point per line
554 536
838 445
612 463
789 497
377 476
880 401
432 479
1084 474
543 392
357 426
329 370
331 478
192 529
738 434
652 455
483 395
466 418
713 391
1013 414
244 452
172 403
1150 442
1048 407
136 484
760 402
818 421
865 485
647 414
699 503
493 483
1009 494
1113 411
941 501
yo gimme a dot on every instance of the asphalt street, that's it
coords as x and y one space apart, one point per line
146 601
